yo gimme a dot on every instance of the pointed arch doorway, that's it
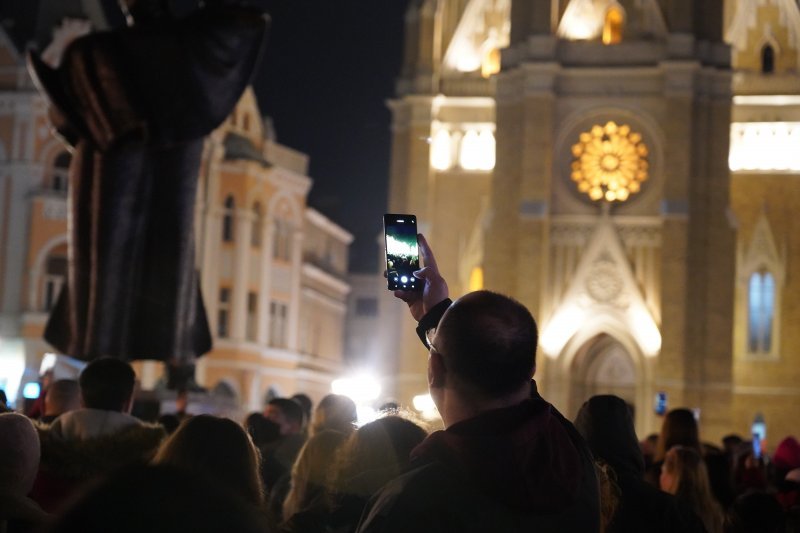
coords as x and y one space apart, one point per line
602 365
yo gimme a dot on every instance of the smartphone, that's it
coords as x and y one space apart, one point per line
756 445
402 252
661 403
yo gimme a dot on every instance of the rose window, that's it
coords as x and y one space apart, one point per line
610 162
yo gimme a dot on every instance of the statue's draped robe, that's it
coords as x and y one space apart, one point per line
136 105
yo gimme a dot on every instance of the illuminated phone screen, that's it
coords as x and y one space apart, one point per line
402 252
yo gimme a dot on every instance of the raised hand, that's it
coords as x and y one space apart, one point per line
434 289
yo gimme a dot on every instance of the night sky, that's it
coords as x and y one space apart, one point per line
327 72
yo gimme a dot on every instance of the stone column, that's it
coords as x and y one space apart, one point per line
265 285
292 328
241 273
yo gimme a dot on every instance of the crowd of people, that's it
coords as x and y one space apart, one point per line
506 460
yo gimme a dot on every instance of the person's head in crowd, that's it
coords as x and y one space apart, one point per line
484 351
19 458
334 412
287 414
262 430
755 511
310 473
786 457
62 396
305 402
3 397
159 499
685 476
678 429
606 423
107 384
19 463
219 449
730 444
389 408
374 454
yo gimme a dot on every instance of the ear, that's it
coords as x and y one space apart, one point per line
436 370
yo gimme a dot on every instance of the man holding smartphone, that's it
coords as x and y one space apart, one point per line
507 460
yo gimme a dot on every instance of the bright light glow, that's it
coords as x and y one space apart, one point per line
645 331
366 414
476 279
477 150
442 150
760 146
48 362
560 329
404 279
425 405
582 20
361 389
12 366
468 61
31 390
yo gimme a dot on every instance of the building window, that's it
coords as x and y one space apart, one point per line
54 275
767 59
227 220
367 307
60 179
224 313
282 247
252 316
258 222
613 25
760 312
278 323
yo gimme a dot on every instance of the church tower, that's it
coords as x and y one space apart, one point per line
605 207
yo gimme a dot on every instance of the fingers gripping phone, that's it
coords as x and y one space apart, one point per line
402 252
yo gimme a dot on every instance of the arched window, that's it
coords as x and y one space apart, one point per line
613 25
258 221
246 122
60 177
227 220
767 59
282 246
760 312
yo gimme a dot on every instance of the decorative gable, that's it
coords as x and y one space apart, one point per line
603 291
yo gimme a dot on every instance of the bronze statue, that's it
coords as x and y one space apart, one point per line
135 105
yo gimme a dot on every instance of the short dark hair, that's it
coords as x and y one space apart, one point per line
489 341
290 409
107 383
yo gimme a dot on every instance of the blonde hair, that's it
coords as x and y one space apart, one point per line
374 454
691 485
219 449
310 472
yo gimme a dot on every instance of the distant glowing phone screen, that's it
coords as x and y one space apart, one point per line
402 252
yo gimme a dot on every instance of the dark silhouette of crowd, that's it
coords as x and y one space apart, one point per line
505 461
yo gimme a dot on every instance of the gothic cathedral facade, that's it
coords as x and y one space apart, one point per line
625 169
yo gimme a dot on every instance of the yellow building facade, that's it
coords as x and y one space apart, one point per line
614 166
273 270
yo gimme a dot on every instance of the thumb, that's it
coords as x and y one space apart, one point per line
423 273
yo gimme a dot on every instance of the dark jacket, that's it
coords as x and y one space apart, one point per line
68 464
607 425
521 468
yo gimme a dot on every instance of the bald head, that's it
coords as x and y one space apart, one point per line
489 342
